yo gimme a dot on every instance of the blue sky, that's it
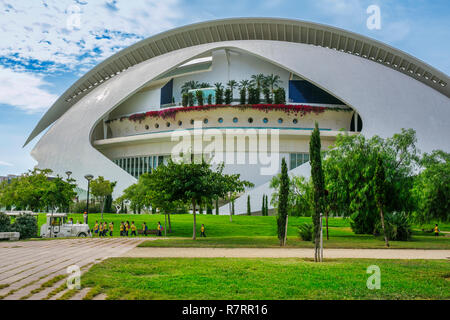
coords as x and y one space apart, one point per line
46 45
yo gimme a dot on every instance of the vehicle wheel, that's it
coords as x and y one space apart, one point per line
82 235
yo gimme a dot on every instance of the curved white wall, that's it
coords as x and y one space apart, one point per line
387 101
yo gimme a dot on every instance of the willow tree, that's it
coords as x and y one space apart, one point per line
318 186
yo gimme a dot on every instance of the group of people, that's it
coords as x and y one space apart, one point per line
126 229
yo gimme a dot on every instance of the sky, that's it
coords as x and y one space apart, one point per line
46 45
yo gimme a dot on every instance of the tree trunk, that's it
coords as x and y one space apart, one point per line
382 225
285 232
326 221
103 206
170 225
193 213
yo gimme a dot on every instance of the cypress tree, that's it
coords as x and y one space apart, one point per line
263 209
318 185
380 192
266 207
249 211
283 202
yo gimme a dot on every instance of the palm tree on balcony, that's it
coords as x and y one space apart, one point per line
205 85
218 85
244 84
189 85
258 80
232 84
273 81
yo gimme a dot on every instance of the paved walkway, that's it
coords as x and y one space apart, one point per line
26 265
286 253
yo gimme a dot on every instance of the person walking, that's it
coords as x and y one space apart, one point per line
105 229
122 229
85 217
436 230
96 227
111 228
133 229
144 229
100 230
127 227
202 229
159 229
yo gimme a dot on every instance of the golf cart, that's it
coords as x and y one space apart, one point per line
58 226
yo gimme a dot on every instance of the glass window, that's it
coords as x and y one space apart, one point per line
250 120
220 120
235 120
295 121
160 160
265 120
180 123
168 124
293 160
205 121
156 126
280 120
297 159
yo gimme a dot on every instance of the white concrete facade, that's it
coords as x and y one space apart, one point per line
386 99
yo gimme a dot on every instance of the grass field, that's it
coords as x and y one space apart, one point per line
228 278
258 231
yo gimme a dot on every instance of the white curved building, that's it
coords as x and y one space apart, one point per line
124 116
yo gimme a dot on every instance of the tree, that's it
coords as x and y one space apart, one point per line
258 80
283 203
349 173
380 193
249 210
230 185
199 96
318 184
300 200
101 188
228 96
219 92
432 188
273 81
58 193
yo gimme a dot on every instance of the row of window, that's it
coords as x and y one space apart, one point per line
297 159
136 166
220 120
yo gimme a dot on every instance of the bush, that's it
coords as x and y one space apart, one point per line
219 96
199 96
5 223
228 96
185 100
243 96
190 99
397 227
280 96
267 95
305 231
80 207
253 95
27 226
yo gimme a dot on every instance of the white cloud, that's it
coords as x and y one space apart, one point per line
5 164
24 91
70 34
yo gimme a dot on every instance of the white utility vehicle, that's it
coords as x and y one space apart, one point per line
58 226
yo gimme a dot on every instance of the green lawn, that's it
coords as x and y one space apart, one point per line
229 278
258 231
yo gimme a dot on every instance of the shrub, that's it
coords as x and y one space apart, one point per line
280 96
243 96
185 100
5 223
305 231
199 96
27 226
219 96
228 96
267 95
190 99
397 227
80 207
253 95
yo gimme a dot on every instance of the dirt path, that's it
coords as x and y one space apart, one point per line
286 253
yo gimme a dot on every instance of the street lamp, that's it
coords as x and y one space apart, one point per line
88 177
68 173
